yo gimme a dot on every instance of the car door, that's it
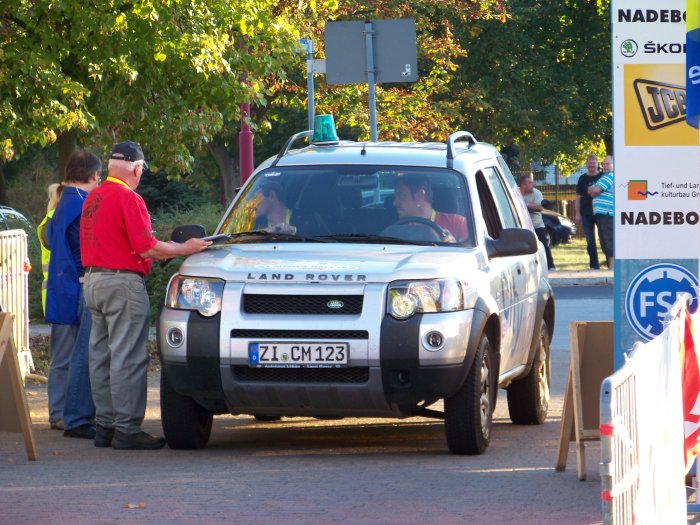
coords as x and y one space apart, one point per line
509 276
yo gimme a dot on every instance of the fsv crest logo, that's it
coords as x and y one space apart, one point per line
662 104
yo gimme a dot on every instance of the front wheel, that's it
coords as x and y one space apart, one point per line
469 413
528 398
186 424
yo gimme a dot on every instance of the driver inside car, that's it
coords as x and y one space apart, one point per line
413 197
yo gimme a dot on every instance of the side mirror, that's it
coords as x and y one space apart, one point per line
512 241
549 205
187 231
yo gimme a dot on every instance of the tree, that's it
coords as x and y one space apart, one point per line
168 74
542 80
428 108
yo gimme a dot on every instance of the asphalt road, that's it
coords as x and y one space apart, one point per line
306 471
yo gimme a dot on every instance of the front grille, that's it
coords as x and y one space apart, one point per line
298 335
302 304
246 374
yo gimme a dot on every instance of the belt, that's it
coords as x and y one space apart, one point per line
101 269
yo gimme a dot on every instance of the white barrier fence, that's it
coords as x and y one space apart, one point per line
14 291
641 425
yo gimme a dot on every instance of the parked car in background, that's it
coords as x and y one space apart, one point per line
560 228
11 219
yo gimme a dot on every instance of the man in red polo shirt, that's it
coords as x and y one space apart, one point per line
413 197
117 248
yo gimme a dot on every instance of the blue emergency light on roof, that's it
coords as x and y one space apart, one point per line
324 130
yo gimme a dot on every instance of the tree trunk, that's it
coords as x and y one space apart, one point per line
66 143
226 160
3 191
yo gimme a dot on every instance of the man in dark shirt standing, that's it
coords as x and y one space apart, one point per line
584 208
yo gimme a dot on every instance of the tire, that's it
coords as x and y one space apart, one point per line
186 424
528 398
469 413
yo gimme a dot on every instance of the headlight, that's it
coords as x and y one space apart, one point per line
195 293
407 298
568 223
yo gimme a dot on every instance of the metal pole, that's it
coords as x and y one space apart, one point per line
310 80
556 188
245 143
369 49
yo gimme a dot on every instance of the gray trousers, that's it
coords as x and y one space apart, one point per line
118 348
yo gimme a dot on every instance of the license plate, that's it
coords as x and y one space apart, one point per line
298 355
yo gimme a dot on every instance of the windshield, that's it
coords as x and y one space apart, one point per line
354 204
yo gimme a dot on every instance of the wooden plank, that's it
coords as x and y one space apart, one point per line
567 425
14 410
578 343
591 361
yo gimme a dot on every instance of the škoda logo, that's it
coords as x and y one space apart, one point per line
662 104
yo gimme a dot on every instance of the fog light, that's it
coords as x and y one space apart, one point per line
175 337
434 341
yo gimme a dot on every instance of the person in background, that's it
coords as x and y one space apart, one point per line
62 335
117 247
65 304
533 199
603 194
584 208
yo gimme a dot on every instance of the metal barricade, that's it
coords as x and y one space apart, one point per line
14 291
642 431
619 465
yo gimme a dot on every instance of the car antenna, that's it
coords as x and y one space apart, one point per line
364 149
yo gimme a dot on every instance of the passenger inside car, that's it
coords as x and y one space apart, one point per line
275 216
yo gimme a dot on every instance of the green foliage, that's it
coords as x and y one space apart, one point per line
542 81
166 195
167 74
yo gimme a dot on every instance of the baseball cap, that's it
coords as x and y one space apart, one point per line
129 151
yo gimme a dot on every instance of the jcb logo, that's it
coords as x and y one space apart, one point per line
661 104
655 106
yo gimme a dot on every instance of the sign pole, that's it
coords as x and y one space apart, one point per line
309 47
369 50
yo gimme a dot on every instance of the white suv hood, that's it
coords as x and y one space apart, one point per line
344 263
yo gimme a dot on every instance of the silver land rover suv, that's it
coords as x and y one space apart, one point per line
359 279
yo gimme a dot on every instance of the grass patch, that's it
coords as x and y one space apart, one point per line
573 256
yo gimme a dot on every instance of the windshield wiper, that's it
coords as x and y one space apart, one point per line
368 237
276 236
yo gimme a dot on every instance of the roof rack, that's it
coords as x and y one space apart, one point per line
451 144
288 145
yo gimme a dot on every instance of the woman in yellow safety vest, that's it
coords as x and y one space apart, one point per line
54 192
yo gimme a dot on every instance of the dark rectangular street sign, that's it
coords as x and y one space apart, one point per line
394 51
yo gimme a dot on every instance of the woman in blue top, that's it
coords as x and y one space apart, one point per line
65 304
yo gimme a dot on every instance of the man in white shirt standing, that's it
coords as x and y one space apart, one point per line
533 199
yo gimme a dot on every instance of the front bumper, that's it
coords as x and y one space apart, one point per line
392 371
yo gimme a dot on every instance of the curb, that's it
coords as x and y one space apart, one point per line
581 278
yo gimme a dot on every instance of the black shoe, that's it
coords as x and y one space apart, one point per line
103 436
83 431
138 441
